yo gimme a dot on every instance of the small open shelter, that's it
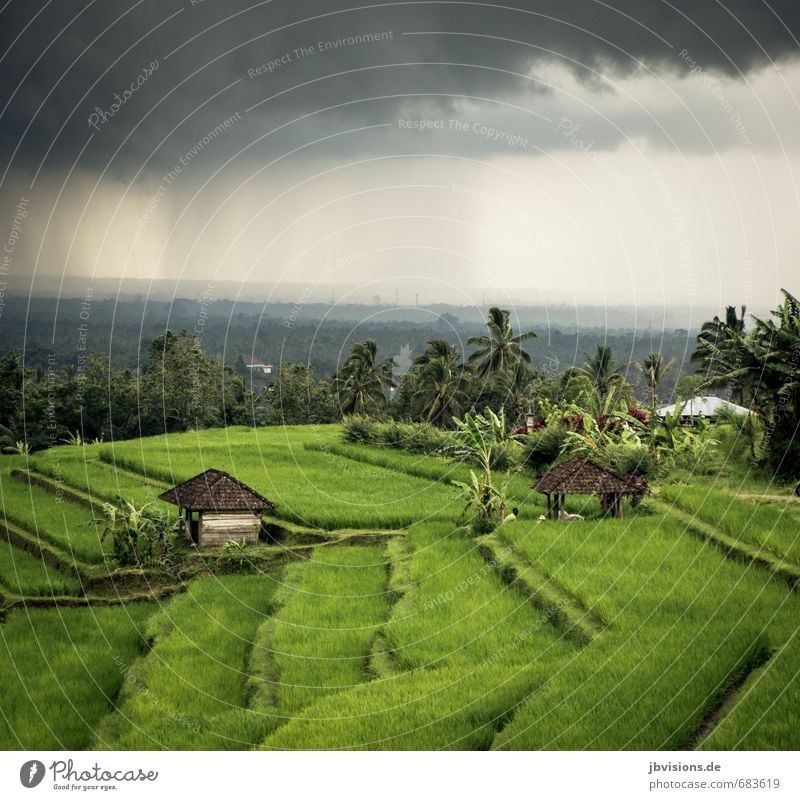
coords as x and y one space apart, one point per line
218 508
581 475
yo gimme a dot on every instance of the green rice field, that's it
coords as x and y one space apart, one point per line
371 618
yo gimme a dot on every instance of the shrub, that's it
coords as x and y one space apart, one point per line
629 459
543 447
358 428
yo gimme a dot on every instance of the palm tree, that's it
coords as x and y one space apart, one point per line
501 349
655 370
721 351
442 383
602 369
770 369
362 380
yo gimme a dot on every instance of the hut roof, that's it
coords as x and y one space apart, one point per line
215 490
581 475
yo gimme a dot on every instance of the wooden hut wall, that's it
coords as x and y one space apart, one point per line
216 529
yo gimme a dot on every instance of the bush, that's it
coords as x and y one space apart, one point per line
361 429
629 459
413 437
543 447
506 455
481 525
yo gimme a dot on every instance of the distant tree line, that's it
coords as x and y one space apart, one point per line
180 387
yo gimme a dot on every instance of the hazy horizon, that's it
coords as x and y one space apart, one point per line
640 154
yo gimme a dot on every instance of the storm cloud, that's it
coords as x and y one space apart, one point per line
131 86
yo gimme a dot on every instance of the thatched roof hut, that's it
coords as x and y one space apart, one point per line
218 507
581 475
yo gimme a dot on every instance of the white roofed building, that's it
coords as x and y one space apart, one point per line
708 406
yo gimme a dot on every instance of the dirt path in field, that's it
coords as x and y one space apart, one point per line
785 498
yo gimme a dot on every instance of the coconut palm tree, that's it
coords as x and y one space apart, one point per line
362 380
602 369
715 340
654 371
501 350
442 383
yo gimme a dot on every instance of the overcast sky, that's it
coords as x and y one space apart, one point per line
632 151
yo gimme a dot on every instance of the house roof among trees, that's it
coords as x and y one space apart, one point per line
708 406
252 361
581 475
215 490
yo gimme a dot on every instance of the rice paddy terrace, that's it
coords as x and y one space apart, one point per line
371 620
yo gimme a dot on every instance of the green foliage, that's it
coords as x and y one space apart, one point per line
362 380
52 519
296 397
415 437
235 555
762 365
482 440
501 350
333 607
603 370
626 459
441 384
25 574
543 447
180 695
760 524
683 621
141 536
654 369
63 658
447 646
431 709
359 428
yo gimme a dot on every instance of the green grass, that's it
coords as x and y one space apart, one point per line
459 613
332 609
763 525
309 487
79 468
186 691
603 634
437 709
59 672
67 525
683 620
27 575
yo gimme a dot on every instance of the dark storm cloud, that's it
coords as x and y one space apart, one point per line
130 75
